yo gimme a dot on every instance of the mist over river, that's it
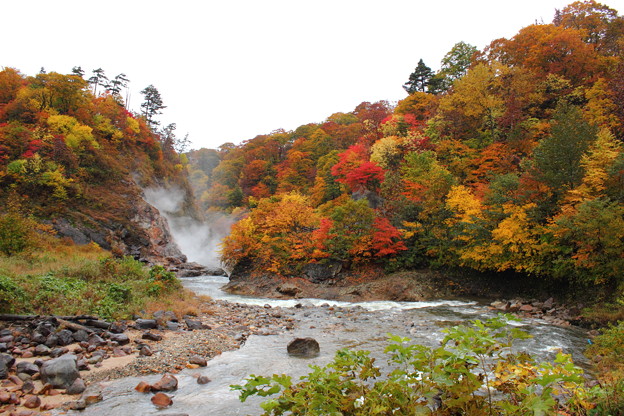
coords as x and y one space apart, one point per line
334 325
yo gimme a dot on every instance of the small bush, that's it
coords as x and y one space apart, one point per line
16 234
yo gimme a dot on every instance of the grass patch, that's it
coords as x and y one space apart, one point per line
65 279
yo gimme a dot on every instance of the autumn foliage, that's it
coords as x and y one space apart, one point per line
515 165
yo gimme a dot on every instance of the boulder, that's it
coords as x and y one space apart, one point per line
27 368
304 347
319 272
289 289
60 372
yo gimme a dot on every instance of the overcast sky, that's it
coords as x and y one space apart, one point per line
230 70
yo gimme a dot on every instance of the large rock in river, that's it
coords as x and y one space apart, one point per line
304 347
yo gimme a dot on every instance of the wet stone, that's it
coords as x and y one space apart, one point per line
304 347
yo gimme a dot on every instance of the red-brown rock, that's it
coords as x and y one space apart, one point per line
31 401
166 383
143 387
161 400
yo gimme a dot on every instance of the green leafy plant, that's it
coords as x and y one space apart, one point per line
11 294
475 371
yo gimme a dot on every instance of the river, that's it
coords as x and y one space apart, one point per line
335 325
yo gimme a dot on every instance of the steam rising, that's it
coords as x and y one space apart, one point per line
199 241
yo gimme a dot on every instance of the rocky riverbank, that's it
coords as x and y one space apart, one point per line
80 357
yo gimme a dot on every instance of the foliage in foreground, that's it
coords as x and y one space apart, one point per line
475 371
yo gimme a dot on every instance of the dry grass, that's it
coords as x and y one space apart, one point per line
181 303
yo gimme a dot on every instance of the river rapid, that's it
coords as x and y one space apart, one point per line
334 325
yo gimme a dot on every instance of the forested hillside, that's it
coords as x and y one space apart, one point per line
508 158
74 160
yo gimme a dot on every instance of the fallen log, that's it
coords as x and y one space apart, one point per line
73 326
98 324
7 317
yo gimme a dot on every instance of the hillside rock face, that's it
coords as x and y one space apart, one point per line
134 228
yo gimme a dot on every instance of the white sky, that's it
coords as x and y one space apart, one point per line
230 70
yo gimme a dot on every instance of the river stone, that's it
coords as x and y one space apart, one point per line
60 372
118 327
31 401
81 335
203 380
192 324
3 346
304 347
27 368
161 400
151 336
97 340
65 337
77 387
52 341
121 339
288 289
200 361
166 383
548 304
6 362
145 324
42 349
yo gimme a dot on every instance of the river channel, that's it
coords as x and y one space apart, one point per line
335 325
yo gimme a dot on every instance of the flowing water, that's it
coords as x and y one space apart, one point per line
335 325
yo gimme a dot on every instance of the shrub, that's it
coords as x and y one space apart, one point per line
16 234
473 372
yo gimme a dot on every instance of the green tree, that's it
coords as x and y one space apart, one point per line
557 158
455 63
152 105
419 79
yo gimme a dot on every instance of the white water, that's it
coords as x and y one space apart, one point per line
346 325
